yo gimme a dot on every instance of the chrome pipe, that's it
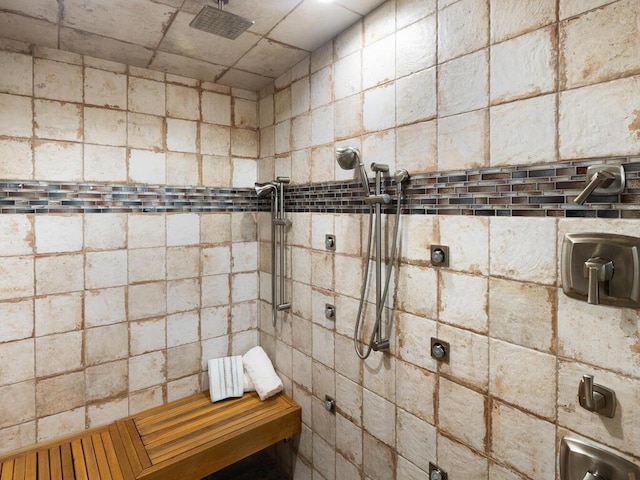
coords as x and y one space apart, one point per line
282 223
378 211
274 312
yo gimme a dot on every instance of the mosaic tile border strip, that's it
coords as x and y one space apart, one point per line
66 197
533 190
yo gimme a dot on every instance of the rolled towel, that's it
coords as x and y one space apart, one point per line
248 384
226 377
260 370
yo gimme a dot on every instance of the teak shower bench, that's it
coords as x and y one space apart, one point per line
183 440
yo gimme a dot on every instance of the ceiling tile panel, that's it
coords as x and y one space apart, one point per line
270 59
187 67
245 80
31 30
44 9
105 48
136 21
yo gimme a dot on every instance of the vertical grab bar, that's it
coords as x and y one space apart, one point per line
281 222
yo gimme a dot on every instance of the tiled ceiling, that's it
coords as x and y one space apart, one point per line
155 34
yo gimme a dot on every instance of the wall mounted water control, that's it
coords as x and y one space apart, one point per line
602 268
439 256
439 349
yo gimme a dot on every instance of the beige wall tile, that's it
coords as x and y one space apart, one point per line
147 167
16 235
378 459
18 360
147 131
416 47
61 423
347 76
58 161
183 295
523 313
536 455
183 102
12 412
57 394
58 353
470 364
408 11
461 461
215 140
57 80
416 147
146 96
412 331
524 67
147 336
183 361
463 414
105 344
16 116
415 389
58 233
375 72
104 307
183 262
463 27
16 279
16 159
105 89
107 412
106 380
216 108
569 8
215 290
379 23
182 135
379 108
106 269
58 313
301 96
15 437
586 37
463 141
523 132
58 121
147 300
464 301
416 439
147 370
105 127
48 277
146 264
510 364
463 84
105 164
145 399
18 79
510 19
18 320
105 232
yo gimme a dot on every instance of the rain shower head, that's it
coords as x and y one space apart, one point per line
264 189
348 159
215 20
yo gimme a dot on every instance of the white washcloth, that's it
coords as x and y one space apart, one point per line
248 384
260 370
226 377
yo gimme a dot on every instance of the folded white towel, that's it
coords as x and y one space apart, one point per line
260 370
226 377
248 384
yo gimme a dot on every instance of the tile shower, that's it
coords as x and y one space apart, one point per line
108 313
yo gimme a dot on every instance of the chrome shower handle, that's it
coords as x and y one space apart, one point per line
597 270
610 178
596 398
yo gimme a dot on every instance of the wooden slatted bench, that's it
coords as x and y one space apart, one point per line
187 439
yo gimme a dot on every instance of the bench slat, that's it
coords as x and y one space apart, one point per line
78 460
101 457
55 463
111 456
90 458
121 453
67 461
31 466
7 470
43 465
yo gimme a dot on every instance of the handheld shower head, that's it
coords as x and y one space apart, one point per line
400 175
264 189
348 159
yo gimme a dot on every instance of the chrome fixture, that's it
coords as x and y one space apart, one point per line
436 473
596 398
329 404
215 20
602 268
439 256
329 311
602 180
439 349
279 222
349 158
580 460
330 242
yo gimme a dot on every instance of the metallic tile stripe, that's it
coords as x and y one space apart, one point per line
532 190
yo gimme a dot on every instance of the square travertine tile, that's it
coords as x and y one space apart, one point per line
407 470
379 375
523 132
462 413
183 262
183 169
106 380
463 27
349 41
463 84
147 336
57 120
415 388
105 164
16 277
417 299
58 160
375 72
347 76
301 97
17 80
349 440
416 47
379 108
16 116
16 159
323 379
146 131
322 125
416 147
344 364
463 141
216 260
524 67
12 412
183 229
147 167
106 269
105 127
348 121
412 332
58 353
599 335
57 394
470 364
214 322
416 439
58 313
107 412
282 137
244 287
146 230
105 344
409 11
348 275
183 387
265 112
324 458
18 320
245 113
620 432
324 422
464 301
61 424
18 360
534 454
183 295
146 264
524 249
244 172
13 438
57 80
510 19
461 461
215 139
282 104
146 399
244 257
58 233
183 102
183 361
182 135
49 279
600 120
16 235
105 89
570 8
498 472
378 459
301 132
216 108
147 370
468 237
523 313
350 395
216 290
147 300
510 364
146 96
301 374
591 32
104 307
105 232
379 23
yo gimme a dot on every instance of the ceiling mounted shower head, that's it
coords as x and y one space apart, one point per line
348 159
215 20
264 189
